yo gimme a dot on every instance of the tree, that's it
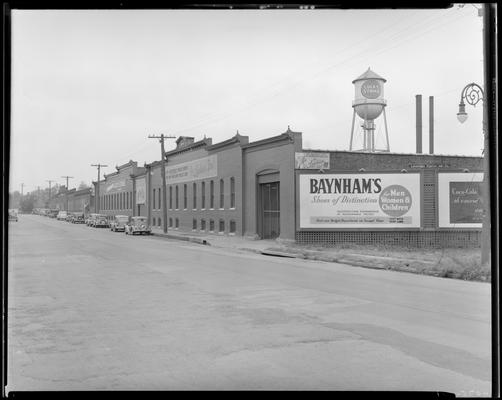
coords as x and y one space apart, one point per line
27 203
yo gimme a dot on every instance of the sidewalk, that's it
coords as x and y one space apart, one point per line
448 263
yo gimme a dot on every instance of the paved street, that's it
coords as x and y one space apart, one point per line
90 309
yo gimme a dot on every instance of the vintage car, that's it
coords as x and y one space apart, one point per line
78 218
53 213
90 218
12 214
62 216
137 225
118 223
99 221
69 217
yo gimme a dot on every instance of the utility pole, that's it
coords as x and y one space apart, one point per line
163 174
67 188
50 194
96 200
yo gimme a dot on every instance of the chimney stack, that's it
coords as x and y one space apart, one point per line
419 123
431 124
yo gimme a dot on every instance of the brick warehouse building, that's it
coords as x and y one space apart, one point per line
260 190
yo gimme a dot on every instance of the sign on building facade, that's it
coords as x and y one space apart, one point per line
202 168
312 160
141 191
460 200
376 200
115 186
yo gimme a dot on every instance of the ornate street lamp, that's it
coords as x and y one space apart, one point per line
473 94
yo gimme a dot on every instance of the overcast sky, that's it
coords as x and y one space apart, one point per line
90 86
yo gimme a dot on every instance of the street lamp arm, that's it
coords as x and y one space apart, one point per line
471 93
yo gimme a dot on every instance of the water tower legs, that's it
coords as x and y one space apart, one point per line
352 130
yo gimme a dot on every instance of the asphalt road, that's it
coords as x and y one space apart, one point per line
90 309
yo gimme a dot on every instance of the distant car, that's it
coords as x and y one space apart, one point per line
13 215
90 219
118 223
78 218
62 216
100 221
53 213
137 225
69 217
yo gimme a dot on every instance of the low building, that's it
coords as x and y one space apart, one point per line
262 190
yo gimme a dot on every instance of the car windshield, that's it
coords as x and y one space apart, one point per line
139 220
122 219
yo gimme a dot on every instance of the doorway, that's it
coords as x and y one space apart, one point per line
271 210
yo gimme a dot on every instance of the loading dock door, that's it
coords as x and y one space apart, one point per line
271 210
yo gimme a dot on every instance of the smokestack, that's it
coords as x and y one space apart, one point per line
431 124
419 123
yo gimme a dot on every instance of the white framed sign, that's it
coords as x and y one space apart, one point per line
202 168
312 160
366 200
140 191
460 200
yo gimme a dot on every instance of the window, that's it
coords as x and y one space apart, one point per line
170 197
153 221
160 201
232 192
202 224
176 199
194 196
121 200
203 195
222 194
211 225
194 224
177 221
211 195
232 226
170 222
159 221
153 207
222 225
185 201
127 200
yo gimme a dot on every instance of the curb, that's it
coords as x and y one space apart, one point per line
183 238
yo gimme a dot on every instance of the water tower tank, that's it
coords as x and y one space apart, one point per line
369 104
369 101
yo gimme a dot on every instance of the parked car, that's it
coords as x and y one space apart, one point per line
78 218
99 221
138 225
62 216
13 214
69 217
118 223
53 213
90 219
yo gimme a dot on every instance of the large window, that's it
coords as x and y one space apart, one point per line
160 201
176 198
232 226
194 224
211 225
185 198
232 192
222 226
153 206
203 195
170 197
211 194
202 224
194 196
222 194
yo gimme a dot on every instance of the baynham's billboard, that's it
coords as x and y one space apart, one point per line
366 200
460 200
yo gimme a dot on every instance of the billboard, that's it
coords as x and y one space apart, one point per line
312 160
140 191
460 200
115 186
202 168
366 200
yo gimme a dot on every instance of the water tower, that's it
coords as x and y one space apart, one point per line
368 105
